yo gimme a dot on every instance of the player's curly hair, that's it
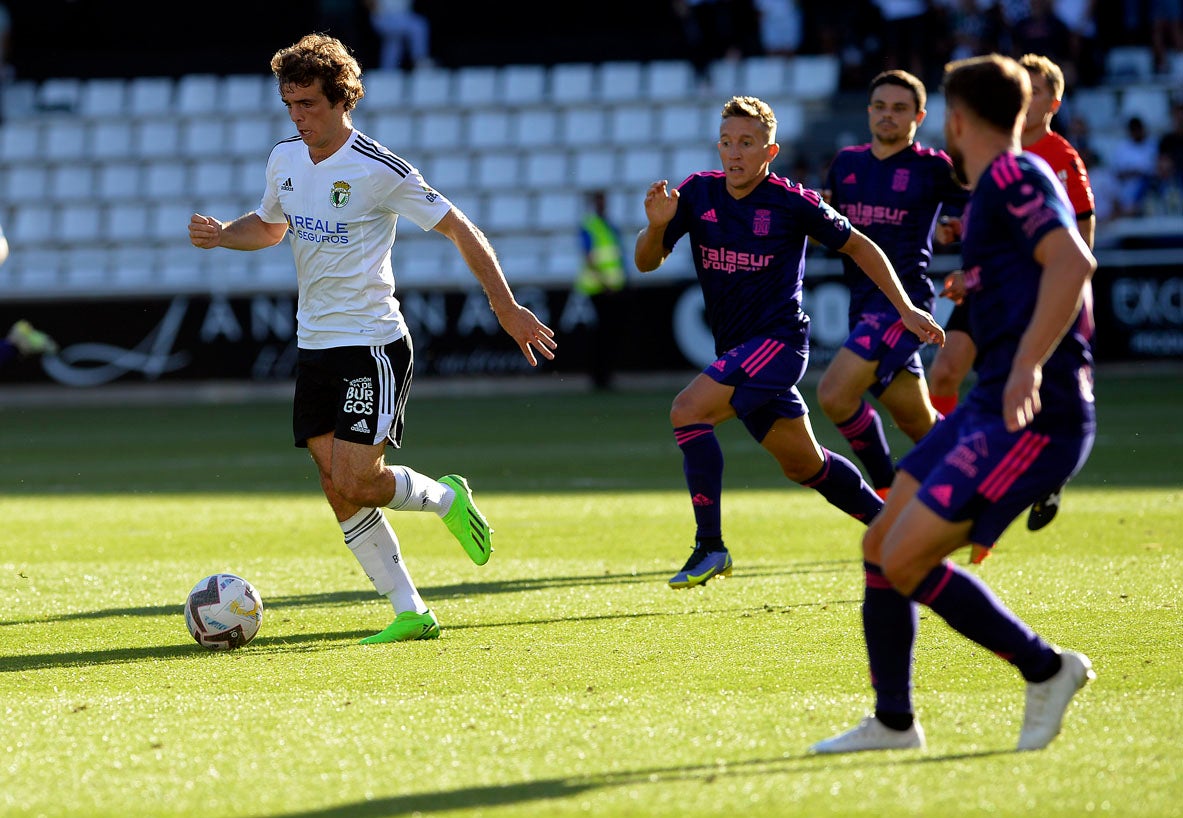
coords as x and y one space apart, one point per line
752 107
321 57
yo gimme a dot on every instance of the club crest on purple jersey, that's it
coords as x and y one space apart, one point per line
762 222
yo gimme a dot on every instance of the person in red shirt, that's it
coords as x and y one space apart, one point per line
953 361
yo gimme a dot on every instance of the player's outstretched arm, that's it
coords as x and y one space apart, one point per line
247 232
661 204
519 322
874 262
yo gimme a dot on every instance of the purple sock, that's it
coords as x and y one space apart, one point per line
971 608
890 620
864 430
702 463
843 486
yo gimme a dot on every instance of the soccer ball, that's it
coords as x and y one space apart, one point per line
223 612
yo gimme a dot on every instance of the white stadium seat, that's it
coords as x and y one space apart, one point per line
572 83
157 138
24 183
251 135
507 211
643 166
584 126
65 139
429 87
59 94
440 129
198 94
119 180
559 210
126 221
165 180
631 124
150 96
619 81
80 223
110 139
489 129
394 129
497 170
476 86
546 169
249 93
385 90
595 168
72 182
203 136
814 76
20 141
669 80
536 127
522 85
103 97
213 177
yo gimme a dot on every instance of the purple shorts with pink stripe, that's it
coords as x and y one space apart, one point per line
971 468
882 337
764 372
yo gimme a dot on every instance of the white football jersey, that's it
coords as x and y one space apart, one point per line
341 215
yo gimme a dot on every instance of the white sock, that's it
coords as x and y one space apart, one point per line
373 542
416 492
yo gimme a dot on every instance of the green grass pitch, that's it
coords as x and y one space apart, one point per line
569 681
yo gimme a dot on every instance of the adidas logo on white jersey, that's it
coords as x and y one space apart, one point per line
361 426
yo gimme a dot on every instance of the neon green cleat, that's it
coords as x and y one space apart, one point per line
408 626
465 521
30 341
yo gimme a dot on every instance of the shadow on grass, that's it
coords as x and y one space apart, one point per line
450 591
523 793
311 642
331 641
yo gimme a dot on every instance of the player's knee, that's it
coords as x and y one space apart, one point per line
872 543
916 428
902 572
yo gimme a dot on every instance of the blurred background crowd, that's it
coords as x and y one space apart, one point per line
1138 169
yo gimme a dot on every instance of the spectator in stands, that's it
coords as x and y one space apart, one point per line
780 26
1133 160
404 32
905 34
1166 32
1164 194
1106 189
602 279
343 194
966 25
1171 142
343 19
709 28
6 69
1040 31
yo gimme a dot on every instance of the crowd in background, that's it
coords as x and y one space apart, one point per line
1142 174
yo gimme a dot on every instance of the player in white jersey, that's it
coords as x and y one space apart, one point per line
337 195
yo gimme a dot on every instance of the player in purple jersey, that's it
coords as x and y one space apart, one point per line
748 231
1027 425
893 189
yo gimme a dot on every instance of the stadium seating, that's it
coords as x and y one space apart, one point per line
100 176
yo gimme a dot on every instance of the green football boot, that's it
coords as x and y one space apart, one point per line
465 521
408 626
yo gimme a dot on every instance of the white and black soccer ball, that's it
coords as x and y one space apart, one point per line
223 612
